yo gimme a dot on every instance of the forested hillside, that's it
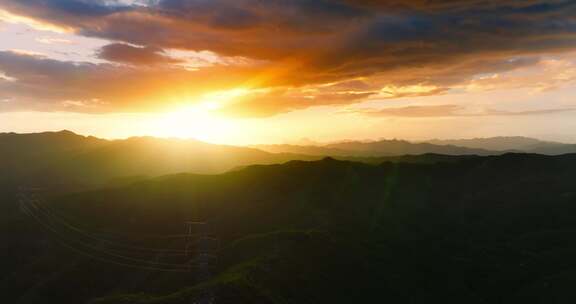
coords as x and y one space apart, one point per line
496 229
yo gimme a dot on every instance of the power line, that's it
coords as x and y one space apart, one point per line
205 257
65 241
98 231
91 235
123 255
105 259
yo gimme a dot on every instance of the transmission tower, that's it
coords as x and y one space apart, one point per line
199 254
202 260
111 248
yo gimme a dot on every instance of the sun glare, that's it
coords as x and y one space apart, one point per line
199 120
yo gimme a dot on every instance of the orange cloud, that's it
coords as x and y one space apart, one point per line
8 17
300 53
448 111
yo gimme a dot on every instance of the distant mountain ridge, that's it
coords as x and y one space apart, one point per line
376 149
402 147
395 147
511 144
500 143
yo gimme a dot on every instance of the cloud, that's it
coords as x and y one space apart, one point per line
44 84
410 111
492 112
455 6
7 17
547 74
397 48
339 31
448 110
125 53
52 40
270 102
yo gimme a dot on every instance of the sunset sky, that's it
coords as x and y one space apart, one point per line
273 71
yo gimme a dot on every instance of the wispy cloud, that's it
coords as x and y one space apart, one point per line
52 40
449 111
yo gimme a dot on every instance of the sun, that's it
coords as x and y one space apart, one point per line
193 122
199 119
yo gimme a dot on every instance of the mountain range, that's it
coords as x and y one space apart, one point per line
68 158
378 148
511 143
107 223
475 146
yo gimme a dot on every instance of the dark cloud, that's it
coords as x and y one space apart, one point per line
287 16
455 5
125 53
87 8
437 43
329 28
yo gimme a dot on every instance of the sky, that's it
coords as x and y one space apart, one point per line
275 71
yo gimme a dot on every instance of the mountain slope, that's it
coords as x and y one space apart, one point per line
64 157
471 230
555 149
28 156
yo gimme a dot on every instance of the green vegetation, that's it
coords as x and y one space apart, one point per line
495 229
408 229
